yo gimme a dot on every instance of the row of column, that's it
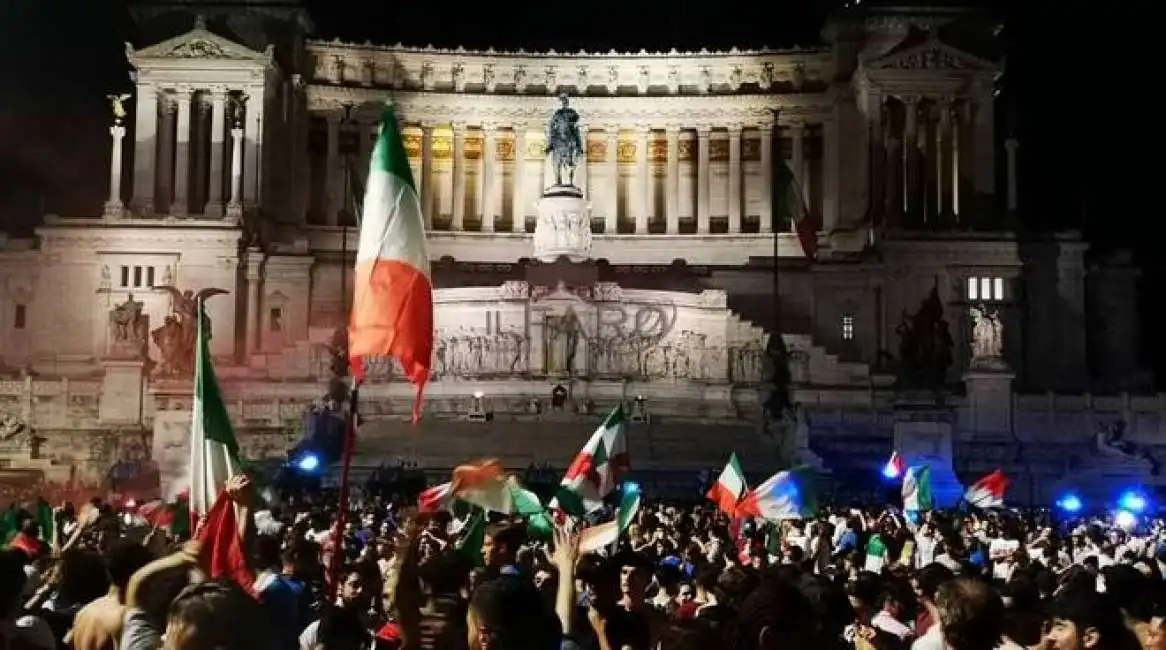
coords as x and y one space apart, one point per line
489 199
170 153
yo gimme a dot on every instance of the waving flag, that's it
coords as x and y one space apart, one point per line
392 308
786 495
214 452
730 487
988 492
597 469
603 535
895 466
483 484
917 488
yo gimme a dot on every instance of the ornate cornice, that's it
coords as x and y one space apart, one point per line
654 112
584 73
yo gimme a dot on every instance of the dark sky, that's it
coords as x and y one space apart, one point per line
1072 84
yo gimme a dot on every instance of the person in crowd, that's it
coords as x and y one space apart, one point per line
98 625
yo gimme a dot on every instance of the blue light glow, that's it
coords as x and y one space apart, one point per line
1070 503
1125 519
890 472
1132 501
631 487
308 463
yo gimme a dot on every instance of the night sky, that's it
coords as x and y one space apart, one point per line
1081 90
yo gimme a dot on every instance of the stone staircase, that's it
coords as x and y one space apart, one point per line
661 445
818 367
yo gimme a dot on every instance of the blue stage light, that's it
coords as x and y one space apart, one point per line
1070 503
1125 520
631 487
890 472
1132 501
308 463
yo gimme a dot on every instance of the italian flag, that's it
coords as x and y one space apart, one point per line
604 535
988 492
917 488
598 468
485 485
895 466
214 457
789 204
787 494
730 487
392 307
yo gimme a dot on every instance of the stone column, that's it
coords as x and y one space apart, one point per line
957 124
943 127
735 190
165 169
252 159
910 155
427 173
581 175
702 178
1010 147
923 149
254 259
830 173
145 147
182 154
235 206
766 150
672 181
611 218
114 208
518 193
332 180
459 177
366 130
489 155
798 163
644 173
214 203
875 155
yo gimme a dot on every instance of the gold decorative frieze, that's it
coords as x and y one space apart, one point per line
506 149
596 150
626 151
474 146
718 150
658 150
442 147
684 149
750 149
412 144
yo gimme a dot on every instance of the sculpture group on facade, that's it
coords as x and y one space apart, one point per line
925 345
129 330
987 336
177 337
1110 442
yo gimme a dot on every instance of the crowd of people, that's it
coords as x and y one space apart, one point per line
682 576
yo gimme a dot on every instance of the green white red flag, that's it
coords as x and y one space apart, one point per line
789 494
392 307
917 488
730 487
593 538
597 469
483 484
988 492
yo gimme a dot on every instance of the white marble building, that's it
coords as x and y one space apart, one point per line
242 159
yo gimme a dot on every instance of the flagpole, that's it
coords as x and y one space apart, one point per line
350 424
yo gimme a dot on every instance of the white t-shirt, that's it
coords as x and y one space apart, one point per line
1000 551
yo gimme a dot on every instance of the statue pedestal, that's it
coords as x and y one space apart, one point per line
989 404
564 225
923 435
122 390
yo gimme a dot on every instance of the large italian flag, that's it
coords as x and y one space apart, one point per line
597 469
392 308
214 457
917 489
214 452
729 488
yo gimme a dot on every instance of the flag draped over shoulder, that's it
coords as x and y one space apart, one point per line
392 309
730 487
988 492
597 469
788 494
917 488
214 452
